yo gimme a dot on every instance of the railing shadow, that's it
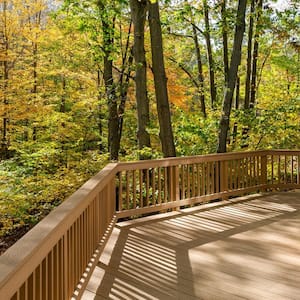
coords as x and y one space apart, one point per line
203 254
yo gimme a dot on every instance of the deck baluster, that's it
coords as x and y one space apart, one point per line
68 242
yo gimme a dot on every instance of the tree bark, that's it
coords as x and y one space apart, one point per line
100 113
213 90
113 124
138 13
232 75
127 60
255 55
237 102
110 87
4 154
160 82
225 40
237 93
249 56
4 141
123 95
200 72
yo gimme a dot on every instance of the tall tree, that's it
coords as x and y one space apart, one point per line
225 40
160 82
108 29
200 71
5 41
249 56
232 75
138 13
213 89
32 31
124 78
186 66
255 53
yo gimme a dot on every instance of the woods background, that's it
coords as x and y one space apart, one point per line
86 82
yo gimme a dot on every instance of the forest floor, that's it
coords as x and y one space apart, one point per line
8 240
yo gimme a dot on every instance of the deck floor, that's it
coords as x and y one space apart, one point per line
248 249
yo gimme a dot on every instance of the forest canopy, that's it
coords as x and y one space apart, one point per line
84 82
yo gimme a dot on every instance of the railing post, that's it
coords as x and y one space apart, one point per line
66 288
298 169
224 178
264 172
174 184
112 195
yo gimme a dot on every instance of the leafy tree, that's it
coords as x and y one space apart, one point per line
160 80
67 75
232 75
207 35
225 39
138 12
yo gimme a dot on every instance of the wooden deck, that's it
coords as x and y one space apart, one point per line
247 249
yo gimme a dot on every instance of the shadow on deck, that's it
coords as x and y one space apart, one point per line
245 249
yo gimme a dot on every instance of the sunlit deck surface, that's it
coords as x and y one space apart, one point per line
246 249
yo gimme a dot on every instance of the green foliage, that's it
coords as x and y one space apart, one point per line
57 134
194 135
32 185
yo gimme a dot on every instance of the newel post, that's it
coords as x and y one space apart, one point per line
224 179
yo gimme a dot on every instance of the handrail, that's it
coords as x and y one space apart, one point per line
174 161
33 254
59 253
150 186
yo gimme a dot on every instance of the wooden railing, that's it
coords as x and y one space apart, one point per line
55 259
146 187
52 259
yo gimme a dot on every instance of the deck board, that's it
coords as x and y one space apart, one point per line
249 249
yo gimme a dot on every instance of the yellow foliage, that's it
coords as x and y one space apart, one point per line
177 90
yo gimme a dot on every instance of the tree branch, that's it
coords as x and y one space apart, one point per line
183 68
195 26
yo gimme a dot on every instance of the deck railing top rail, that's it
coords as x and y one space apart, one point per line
59 253
27 253
173 161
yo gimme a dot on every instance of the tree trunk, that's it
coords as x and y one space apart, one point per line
225 40
127 60
249 56
160 82
237 102
110 88
237 92
213 90
100 113
232 75
138 13
200 72
62 107
255 55
4 140
123 95
113 123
